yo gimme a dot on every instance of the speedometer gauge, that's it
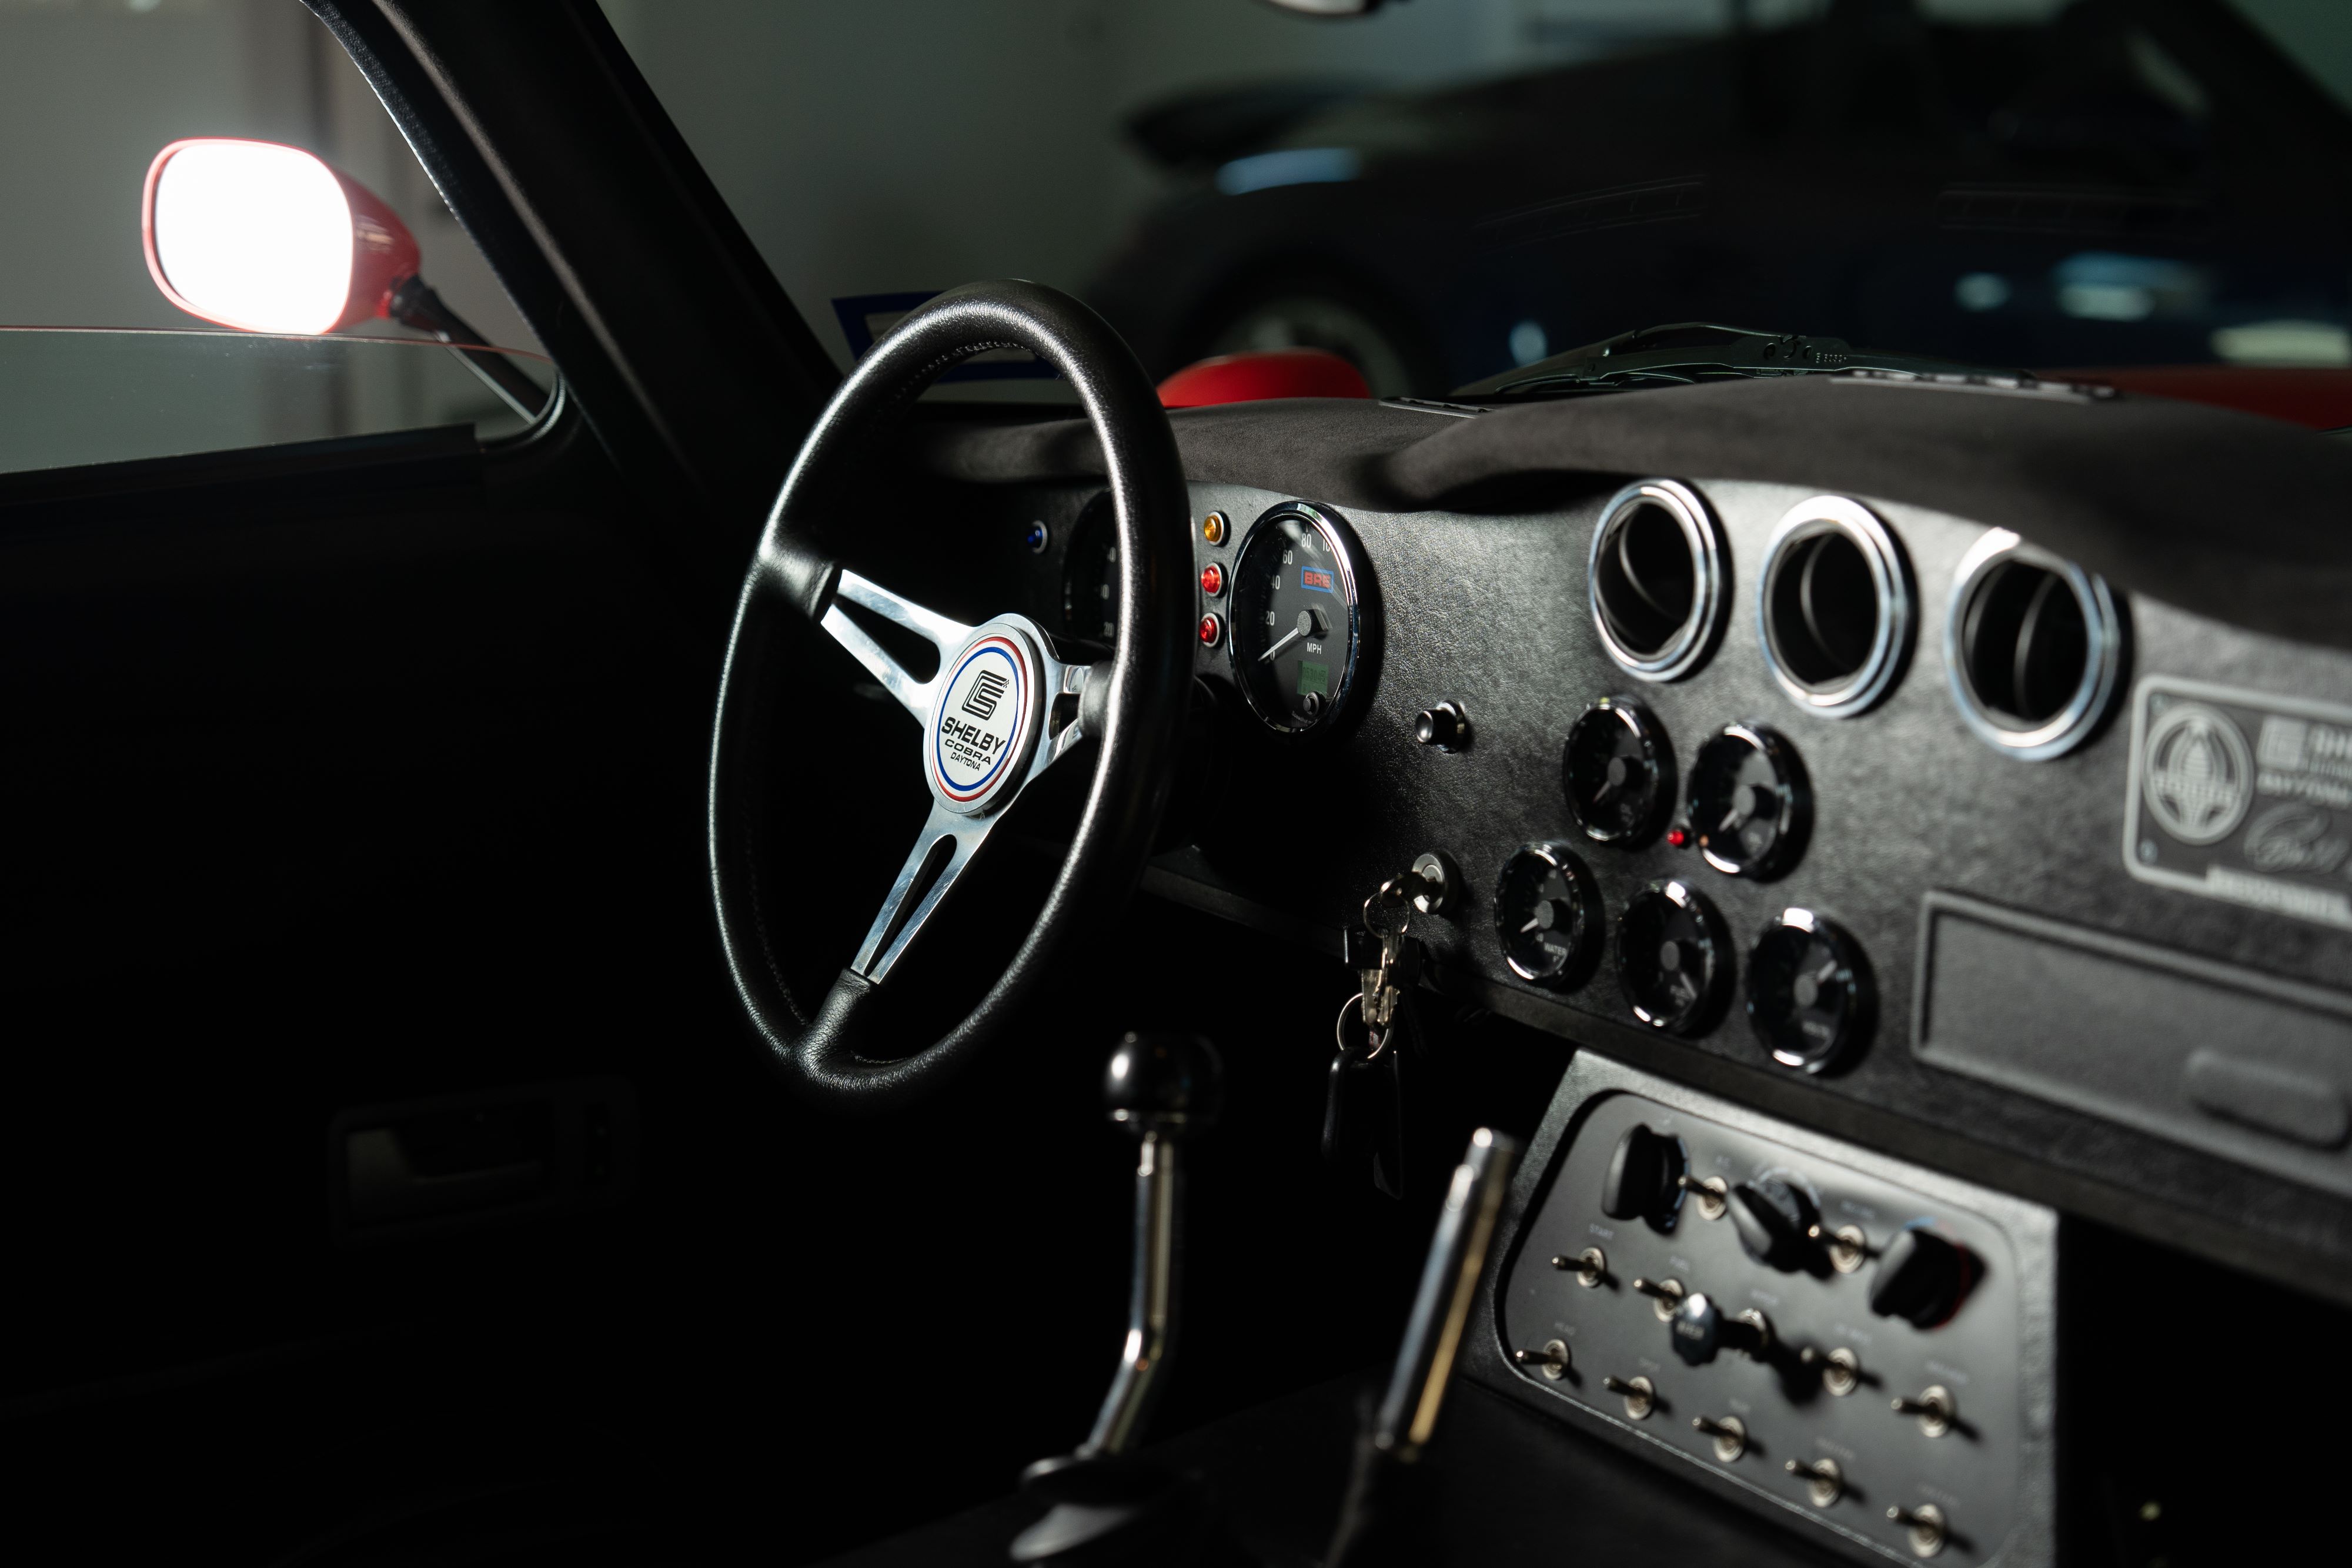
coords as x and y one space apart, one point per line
1298 622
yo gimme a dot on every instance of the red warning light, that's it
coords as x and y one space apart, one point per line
1212 579
1211 629
1678 835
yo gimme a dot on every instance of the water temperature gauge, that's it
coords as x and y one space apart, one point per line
1297 622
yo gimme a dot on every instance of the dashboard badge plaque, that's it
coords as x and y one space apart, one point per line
2242 795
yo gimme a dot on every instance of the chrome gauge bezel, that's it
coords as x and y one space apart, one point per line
1853 974
2104 634
1890 578
1703 536
1705 1010
1632 719
1352 582
1584 951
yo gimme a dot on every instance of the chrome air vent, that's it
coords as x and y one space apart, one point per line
2033 646
1655 579
1834 609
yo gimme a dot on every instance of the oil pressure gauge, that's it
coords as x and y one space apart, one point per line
1750 806
1547 916
1809 994
1297 622
1618 772
1674 957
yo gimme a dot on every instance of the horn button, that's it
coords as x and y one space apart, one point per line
976 748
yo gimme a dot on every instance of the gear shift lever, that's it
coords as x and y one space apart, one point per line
1163 1088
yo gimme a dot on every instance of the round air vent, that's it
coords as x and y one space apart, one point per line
1655 578
2033 646
1834 609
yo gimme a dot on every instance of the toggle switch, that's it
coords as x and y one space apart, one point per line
1590 1267
1928 1530
1713 1196
1934 1407
1847 1246
1840 1370
1729 1433
1553 1360
1824 1482
1641 1396
1665 1295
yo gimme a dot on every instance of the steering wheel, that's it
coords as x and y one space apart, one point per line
1002 711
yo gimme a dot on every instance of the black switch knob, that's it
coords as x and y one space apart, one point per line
1921 1278
1644 1176
1771 1218
1700 1329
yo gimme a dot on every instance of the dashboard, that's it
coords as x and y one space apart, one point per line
1895 846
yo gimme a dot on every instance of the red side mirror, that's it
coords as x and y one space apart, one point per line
268 238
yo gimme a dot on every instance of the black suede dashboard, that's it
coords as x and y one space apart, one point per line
2043 1012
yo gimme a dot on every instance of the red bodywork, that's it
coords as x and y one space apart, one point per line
1250 378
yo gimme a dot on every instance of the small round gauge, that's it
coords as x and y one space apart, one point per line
1547 916
1749 807
1296 623
1618 772
1672 958
1090 579
1809 993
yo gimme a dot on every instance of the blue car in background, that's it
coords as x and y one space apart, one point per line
2117 184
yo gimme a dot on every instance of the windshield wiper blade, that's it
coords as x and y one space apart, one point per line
1692 351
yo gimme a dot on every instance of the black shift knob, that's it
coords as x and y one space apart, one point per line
1164 1083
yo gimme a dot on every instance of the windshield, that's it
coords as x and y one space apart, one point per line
1448 189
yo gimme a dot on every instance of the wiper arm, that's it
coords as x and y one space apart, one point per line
1693 352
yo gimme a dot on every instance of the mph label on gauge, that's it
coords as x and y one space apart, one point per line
2242 795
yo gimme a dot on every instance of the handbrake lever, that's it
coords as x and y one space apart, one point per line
1406 1417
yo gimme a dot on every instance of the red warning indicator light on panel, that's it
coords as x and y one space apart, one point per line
1212 579
1212 629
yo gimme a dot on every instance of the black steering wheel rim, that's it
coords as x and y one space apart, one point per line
1133 703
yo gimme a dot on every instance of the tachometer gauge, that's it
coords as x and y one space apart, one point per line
1672 958
1297 619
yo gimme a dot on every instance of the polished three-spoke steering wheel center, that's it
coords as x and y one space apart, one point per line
1001 711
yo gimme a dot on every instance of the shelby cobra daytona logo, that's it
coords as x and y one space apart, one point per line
979 718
